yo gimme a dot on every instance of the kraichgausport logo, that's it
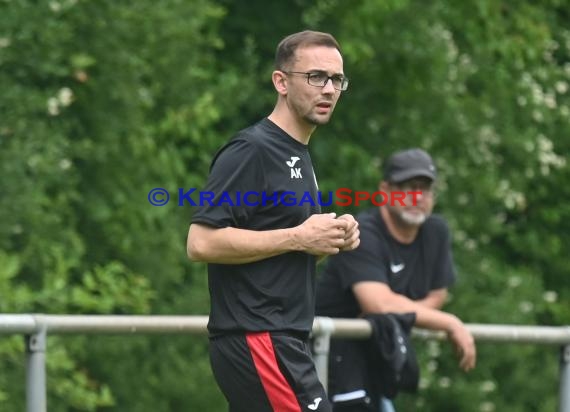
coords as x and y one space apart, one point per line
340 197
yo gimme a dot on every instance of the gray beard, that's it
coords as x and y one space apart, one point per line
413 219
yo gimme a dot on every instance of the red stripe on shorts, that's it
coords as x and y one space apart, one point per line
278 390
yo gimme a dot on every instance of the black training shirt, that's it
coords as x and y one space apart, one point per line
412 270
275 293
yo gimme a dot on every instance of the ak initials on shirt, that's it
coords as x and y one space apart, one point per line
295 171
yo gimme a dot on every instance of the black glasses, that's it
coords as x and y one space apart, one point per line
320 79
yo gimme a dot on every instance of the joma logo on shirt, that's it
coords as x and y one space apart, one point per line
295 171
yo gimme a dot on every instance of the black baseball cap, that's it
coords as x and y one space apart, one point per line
408 164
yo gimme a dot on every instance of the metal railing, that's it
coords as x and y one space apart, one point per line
36 328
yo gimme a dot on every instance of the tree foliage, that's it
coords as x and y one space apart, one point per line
103 101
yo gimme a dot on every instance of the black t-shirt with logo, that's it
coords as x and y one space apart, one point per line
412 270
262 179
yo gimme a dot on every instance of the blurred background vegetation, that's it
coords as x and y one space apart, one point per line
103 100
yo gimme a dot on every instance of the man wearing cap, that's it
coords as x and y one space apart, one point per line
404 264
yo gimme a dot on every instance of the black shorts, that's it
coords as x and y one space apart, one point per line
267 372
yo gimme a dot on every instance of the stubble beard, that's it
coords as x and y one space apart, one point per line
316 121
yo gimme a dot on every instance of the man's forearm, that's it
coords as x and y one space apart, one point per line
426 317
320 234
435 299
236 246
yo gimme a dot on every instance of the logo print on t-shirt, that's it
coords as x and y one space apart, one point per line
313 406
395 268
295 171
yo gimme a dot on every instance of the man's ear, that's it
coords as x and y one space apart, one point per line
279 82
384 186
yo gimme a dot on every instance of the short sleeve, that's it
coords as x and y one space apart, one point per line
444 274
368 262
235 171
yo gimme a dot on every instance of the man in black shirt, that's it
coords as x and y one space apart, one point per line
263 232
403 264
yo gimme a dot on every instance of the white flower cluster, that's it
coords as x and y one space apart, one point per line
487 407
546 156
544 97
57 6
550 296
512 199
64 98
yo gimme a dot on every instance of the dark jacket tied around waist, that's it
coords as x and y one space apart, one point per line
394 364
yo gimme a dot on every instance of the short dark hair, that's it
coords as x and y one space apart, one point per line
286 48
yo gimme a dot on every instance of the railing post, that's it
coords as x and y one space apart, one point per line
565 379
36 371
321 346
